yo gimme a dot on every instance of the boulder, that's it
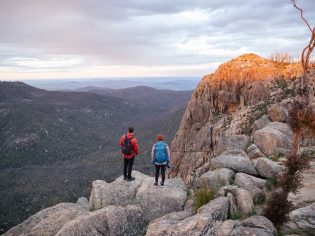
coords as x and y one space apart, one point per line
253 152
111 221
261 122
227 227
82 201
255 225
231 141
48 221
183 224
277 113
267 168
243 198
216 178
236 160
302 221
155 202
119 192
274 138
250 183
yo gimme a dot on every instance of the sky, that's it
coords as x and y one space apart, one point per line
59 39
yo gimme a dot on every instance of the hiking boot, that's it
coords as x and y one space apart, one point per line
125 177
162 185
131 179
156 185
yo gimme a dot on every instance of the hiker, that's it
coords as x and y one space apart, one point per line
129 149
160 155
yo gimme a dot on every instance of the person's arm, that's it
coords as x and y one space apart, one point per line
168 153
121 141
152 154
135 146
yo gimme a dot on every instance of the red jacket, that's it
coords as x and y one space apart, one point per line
134 144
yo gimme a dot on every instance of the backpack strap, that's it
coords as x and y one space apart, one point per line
126 137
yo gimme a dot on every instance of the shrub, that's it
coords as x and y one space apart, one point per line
271 183
203 196
276 157
260 200
278 207
283 58
238 215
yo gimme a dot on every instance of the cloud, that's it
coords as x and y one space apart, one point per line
73 35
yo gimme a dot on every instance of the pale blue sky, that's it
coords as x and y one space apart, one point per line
42 39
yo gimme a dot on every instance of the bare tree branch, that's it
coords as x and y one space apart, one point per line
301 14
307 51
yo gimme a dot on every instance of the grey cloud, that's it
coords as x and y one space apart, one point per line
142 32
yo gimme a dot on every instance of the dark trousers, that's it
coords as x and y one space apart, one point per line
128 163
157 172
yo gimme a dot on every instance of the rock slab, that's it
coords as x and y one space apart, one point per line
48 221
274 138
267 168
236 160
183 224
302 221
109 221
216 178
155 202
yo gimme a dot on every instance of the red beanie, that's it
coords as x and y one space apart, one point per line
160 137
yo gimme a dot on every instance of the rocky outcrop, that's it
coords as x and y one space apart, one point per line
224 107
274 138
236 160
183 224
111 221
155 202
48 221
115 193
118 208
68 219
302 221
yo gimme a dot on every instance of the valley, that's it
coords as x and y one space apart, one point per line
55 143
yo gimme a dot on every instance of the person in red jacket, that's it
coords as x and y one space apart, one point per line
129 148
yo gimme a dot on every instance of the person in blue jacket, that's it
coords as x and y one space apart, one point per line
160 155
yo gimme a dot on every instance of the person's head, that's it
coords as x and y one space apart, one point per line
130 129
159 137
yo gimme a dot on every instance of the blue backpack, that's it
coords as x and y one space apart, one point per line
160 152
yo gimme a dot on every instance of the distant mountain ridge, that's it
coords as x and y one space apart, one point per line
173 83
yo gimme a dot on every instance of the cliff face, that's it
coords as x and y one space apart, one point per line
224 106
